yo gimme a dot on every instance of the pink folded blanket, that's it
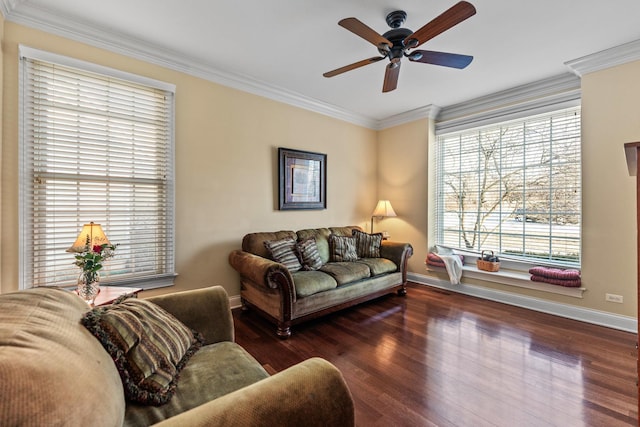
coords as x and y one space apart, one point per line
434 260
570 283
555 273
436 263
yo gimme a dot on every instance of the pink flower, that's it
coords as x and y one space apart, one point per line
97 249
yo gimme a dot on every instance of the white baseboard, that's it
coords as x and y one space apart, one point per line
615 321
234 301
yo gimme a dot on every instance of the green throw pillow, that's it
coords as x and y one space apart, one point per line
148 345
343 248
309 253
284 252
367 245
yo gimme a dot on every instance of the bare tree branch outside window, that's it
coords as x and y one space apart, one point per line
514 188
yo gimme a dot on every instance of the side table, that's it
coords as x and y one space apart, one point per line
109 294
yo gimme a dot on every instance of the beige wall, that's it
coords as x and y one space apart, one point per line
226 164
610 117
403 177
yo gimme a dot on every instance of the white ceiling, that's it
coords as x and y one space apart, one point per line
280 48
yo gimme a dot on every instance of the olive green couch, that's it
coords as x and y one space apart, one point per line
286 298
54 372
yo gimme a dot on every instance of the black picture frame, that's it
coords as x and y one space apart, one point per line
302 179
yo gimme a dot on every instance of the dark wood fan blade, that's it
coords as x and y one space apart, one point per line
353 66
362 30
453 16
391 77
452 60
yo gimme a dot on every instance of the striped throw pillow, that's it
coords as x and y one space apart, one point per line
284 252
343 248
148 345
309 254
367 245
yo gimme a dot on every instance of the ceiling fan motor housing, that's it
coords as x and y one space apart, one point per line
396 37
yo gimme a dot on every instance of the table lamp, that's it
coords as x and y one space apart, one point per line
383 209
91 234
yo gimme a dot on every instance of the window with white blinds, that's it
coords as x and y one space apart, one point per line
95 146
513 187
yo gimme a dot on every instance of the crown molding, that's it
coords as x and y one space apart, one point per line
564 87
426 112
23 13
607 58
6 6
528 99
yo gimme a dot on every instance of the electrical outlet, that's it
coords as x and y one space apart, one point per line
614 298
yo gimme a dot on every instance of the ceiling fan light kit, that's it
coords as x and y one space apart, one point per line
396 43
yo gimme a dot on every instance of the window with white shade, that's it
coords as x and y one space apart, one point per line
513 187
96 146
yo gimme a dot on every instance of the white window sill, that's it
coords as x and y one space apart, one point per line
513 278
153 282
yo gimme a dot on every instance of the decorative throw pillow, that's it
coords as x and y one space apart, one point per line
309 254
148 345
343 248
367 245
284 252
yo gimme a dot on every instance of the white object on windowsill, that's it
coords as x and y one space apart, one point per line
452 263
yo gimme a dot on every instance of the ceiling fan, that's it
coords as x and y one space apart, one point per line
396 43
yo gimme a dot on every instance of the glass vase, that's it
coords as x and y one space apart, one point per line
88 286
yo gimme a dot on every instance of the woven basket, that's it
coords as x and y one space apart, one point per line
487 265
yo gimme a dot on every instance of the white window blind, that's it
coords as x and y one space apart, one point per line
94 148
513 187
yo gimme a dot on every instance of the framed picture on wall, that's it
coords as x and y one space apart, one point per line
302 179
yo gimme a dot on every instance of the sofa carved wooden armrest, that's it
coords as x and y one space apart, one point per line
287 293
261 271
53 371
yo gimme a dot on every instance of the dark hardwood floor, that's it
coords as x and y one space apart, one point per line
435 358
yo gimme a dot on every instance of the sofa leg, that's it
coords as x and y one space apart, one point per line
402 291
284 331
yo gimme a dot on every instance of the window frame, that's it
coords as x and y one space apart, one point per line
26 217
478 119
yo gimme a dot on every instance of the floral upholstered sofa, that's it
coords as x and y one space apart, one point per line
292 276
